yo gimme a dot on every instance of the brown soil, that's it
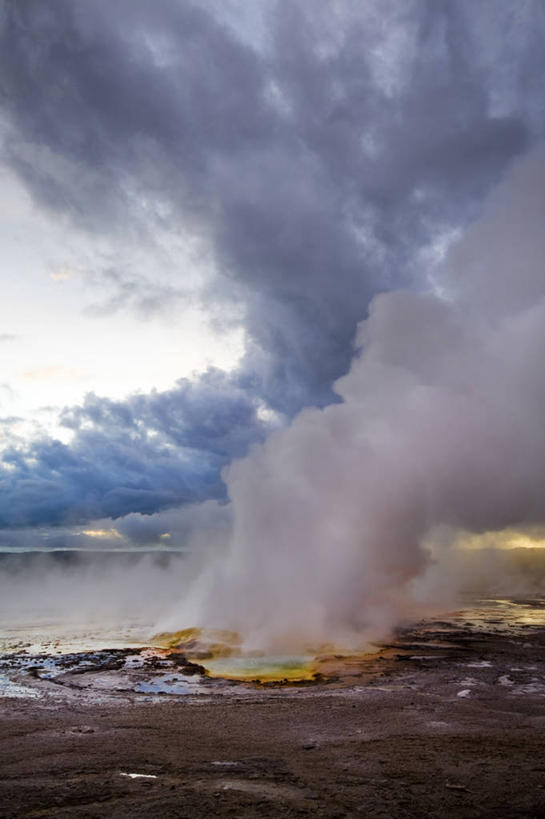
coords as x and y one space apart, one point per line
399 742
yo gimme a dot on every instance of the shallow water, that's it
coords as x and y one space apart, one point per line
55 636
496 615
264 668
110 659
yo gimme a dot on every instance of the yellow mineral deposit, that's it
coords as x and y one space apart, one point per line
220 653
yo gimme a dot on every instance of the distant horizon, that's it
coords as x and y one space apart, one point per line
128 549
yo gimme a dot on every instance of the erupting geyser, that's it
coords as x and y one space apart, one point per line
440 427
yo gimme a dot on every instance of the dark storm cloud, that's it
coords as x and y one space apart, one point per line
315 161
141 455
116 104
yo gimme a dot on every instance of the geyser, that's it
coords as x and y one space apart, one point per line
440 425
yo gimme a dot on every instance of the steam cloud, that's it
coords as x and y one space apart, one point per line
440 429
315 155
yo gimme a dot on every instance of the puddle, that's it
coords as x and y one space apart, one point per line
480 664
168 684
9 688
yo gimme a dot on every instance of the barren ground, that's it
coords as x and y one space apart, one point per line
437 725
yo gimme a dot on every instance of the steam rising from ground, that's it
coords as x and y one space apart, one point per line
358 515
97 576
440 430
88 588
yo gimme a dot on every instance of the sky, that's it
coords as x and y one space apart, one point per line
200 202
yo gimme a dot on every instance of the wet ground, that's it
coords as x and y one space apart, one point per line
446 719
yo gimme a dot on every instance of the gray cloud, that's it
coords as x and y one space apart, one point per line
133 292
140 455
315 161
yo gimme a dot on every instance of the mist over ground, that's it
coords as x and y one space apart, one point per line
89 587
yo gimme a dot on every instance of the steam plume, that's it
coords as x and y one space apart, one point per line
440 425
